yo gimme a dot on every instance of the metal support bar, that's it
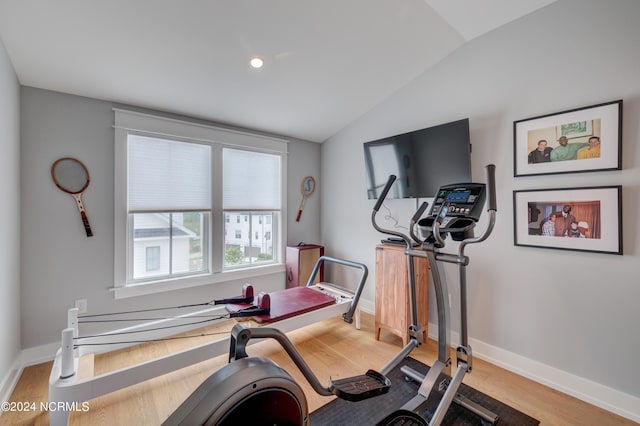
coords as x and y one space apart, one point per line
462 274
413 296
426 382
240 336
399 357
448 396
442 308
487 415
348 317
461 400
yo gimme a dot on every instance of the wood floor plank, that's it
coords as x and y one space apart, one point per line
331 348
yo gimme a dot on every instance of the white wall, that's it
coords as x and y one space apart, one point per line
60 264
566 318
10 219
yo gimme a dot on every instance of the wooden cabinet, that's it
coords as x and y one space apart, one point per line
300 262
392 311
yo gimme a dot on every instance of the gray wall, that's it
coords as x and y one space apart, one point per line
566 318
59 263
9 217
304 160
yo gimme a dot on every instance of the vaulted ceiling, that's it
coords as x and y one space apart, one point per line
326 62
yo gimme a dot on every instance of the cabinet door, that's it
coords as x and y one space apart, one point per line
392 305
391 290
306 263
300 262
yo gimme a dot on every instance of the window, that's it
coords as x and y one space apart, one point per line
169 204
179 187
252 182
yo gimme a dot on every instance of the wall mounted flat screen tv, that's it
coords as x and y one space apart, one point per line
422 160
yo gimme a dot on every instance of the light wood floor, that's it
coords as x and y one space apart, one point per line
331 348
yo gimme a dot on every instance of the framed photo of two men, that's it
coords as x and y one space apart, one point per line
585 139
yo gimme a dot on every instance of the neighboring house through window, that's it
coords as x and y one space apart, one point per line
153 258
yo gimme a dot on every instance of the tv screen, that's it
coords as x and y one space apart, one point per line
422 160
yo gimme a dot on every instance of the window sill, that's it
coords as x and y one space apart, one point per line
134 290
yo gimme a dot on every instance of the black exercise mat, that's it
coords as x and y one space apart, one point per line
374 410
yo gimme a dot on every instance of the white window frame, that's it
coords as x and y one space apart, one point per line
146 124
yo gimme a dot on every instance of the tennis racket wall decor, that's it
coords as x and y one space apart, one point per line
307 188
71 176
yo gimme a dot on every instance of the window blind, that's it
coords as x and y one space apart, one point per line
251 180
168 175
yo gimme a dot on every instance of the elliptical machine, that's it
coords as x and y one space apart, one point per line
251 389
455 212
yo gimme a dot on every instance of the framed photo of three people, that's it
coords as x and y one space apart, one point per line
583 219
580 140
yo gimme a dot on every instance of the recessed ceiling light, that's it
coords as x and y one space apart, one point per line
257 62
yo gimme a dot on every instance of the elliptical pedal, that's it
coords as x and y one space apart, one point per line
358 388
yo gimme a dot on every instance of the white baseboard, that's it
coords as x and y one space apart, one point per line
367 306
10 380
586 390
602 396
24 359
39 354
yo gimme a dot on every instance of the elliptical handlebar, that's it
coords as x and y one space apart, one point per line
415 219
492 208
491 187
436 228
385 191
377 206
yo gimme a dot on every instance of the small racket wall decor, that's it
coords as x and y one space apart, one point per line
307 188
72 177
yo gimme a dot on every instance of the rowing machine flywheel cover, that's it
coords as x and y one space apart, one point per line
247 391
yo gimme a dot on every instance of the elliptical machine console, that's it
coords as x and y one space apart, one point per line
457 208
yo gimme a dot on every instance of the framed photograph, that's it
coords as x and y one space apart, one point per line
580 140
583 219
